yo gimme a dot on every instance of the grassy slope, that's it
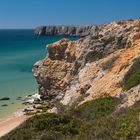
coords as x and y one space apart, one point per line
92 120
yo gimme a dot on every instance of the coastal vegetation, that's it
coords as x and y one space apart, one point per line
108 40
96 119
133 76
93 56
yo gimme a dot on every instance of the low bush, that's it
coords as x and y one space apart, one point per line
93 120
96 108
133 76
93 56
108 40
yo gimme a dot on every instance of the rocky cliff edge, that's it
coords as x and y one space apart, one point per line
104 63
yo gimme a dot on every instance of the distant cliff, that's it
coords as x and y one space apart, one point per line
63 30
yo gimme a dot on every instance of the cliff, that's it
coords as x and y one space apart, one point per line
63 30
90 87
95 66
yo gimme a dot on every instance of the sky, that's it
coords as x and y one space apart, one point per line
32 13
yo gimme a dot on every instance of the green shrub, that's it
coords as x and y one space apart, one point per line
46 126
127 125
19 134
60 123
96 108
108 40
52 135
133 76
123 126
133 80
93 56
93 120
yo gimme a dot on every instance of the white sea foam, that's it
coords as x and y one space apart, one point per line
30 99
19 113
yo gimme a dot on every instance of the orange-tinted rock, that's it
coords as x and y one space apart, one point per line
66 74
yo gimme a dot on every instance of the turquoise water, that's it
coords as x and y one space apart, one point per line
19 50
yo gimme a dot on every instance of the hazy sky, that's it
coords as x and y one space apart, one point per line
31 13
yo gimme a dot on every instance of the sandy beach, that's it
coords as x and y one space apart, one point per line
8 124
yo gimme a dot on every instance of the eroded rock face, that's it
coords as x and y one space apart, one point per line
91 67
54 72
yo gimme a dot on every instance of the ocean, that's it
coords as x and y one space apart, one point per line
19 50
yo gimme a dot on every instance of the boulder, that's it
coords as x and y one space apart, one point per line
19 98
4 105
28 109
4 98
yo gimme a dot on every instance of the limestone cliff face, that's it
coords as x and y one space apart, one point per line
64 30
91 67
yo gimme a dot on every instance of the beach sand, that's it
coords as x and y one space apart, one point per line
8 124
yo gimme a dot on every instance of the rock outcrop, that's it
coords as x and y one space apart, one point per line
63 30
91 67
4 98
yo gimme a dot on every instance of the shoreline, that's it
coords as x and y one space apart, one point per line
14 104
16 118
10 123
